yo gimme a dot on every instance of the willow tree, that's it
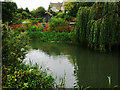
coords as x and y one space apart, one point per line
99 25
82 19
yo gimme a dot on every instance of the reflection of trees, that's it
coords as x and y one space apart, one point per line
51 48
93 68
90 67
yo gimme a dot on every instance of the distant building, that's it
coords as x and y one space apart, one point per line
57 6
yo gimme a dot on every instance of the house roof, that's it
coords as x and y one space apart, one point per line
56 4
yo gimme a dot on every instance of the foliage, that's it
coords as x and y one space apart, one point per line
99 25
27 10
60 15
67 17
29 76
82 19
49 36
39 12
9 51
35 20
25 15
35 28
37 33
13 50
72 35
58 24
64 16
53 12
9 10
15 73
18 18
73 7
20 10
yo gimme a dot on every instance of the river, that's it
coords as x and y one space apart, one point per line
80 66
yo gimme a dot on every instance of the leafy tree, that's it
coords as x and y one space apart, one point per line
15 45
20 10
49 8
73 7
9 10
60 15
53 13
18 18
33 13
40 12
27 10
98 25
25 15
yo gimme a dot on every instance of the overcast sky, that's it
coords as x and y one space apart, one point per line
34 4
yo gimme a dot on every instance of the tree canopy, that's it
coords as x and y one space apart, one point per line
9 10
73 7
39 12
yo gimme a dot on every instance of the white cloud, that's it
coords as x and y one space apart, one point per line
34 4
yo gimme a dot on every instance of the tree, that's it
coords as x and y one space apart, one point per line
9 10
40 12
33 13
27 10
20 10
18 18
49 8
73 7
98 26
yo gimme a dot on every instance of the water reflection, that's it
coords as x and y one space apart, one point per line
82 66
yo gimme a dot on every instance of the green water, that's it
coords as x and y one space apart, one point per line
83 67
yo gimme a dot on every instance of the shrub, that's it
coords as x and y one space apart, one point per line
34 28
57 24
68 17
60 15
49 36
29 77
15 45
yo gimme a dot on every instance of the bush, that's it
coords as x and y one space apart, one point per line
34 28
13 41
60 15
58 24
15 45
29 77
68 17
49 36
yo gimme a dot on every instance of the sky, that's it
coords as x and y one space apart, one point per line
34 4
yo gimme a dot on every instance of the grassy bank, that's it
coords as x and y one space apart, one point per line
49 36
37 33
